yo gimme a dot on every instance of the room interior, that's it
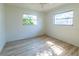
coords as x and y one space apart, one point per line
52 31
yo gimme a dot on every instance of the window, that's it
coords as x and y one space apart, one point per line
64 18
29 19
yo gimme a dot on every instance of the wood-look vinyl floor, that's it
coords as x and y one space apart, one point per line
39 46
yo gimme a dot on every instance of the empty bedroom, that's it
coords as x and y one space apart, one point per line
39 29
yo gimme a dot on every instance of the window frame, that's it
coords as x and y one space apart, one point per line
32 19
65 17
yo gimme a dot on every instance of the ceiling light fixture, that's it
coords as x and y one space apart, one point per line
42 5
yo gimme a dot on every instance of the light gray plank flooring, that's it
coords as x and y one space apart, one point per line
39 46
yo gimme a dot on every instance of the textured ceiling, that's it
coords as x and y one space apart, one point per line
37 6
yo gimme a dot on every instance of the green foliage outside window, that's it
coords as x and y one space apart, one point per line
29 19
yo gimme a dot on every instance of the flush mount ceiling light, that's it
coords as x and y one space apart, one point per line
43 5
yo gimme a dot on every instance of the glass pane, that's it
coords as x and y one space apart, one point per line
64 18
65 15
29 19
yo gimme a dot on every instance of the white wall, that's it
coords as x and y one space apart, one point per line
2 27
14 28
68 34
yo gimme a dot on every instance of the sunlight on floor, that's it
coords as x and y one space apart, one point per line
53 50
56 49
44 53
